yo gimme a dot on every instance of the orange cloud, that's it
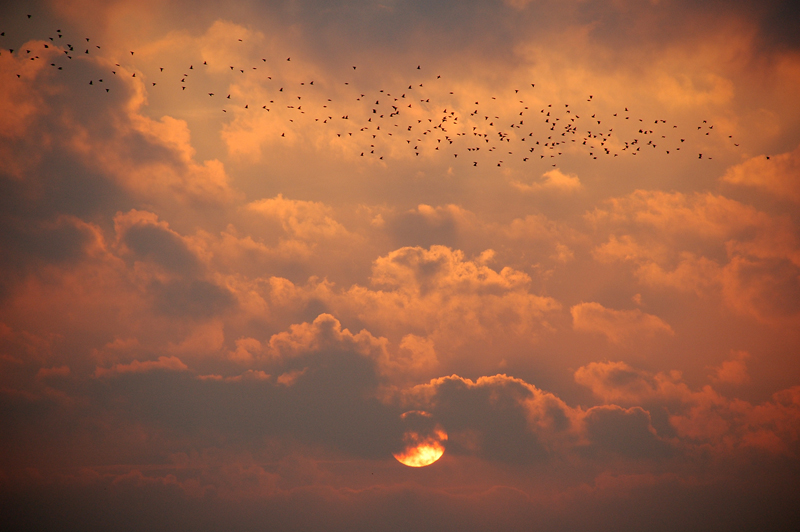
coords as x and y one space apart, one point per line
616 325
439 294
325 332
619 382
163 363
552 180
676 240
703 418
776 174
733 371
307 220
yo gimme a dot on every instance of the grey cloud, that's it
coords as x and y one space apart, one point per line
194 298
414 229
50 243
152 501
162 246
489 420
627 432
331 405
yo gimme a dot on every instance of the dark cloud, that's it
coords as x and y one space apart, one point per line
49 243
151 242
491 419
779 25
191 298
332 404
626 432
159 502
415 229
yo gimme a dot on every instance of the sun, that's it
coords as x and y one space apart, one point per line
423 440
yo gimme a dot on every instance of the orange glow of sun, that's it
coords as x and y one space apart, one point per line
421 448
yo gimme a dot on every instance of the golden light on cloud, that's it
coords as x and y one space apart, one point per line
423 440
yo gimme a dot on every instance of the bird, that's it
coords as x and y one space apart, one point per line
566 123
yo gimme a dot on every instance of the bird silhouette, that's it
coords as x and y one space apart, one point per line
430 118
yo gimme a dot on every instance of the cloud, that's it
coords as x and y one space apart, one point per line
766 289
776 174
249 375
623 431
324 333
618 382
19 346
163 363
676 214
307 220
246 350
732 371
617 325
46 373
426 226
552 180
706 244
413 356
417 354
103 135
702 418
498 417
141 235
439 294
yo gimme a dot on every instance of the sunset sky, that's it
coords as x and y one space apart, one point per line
239 240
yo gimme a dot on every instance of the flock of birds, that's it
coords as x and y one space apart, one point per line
408 120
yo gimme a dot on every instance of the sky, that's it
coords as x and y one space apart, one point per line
250 250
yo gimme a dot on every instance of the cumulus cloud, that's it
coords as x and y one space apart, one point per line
307 220
413 356
508 419
499 417
617 325
143 236
702 418
551 180
733 371
705 243
439 294
425 226
625 432
324 333
619 382
109 139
